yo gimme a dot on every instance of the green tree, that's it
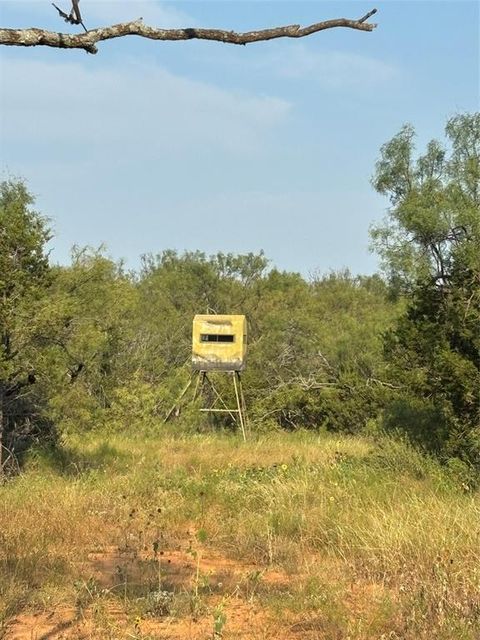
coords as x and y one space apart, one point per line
318 361
430 247
87 331
314 348
24 279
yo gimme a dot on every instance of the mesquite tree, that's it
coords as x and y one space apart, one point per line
430 246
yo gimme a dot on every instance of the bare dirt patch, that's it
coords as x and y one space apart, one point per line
210 580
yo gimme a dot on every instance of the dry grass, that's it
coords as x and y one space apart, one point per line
298 535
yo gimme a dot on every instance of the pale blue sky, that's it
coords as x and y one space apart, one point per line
197 145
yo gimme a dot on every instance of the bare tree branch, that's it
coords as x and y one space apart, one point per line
368 15
74 17
87 41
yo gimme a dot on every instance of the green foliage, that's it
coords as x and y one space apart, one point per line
113 348
93 300
24 282
311 344
319 359
430 245
103 346
23 274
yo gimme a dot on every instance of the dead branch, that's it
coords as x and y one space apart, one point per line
39 37
74 17
311 384
382 383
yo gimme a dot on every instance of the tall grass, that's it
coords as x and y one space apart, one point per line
370 537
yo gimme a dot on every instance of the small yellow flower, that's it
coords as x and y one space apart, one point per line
284 467
332 499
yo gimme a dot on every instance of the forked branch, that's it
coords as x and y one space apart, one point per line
34 37
74 17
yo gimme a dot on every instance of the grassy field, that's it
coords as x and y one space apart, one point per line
203 536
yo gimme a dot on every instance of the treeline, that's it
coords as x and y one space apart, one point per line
92 344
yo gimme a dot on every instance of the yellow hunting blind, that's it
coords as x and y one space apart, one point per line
219 343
